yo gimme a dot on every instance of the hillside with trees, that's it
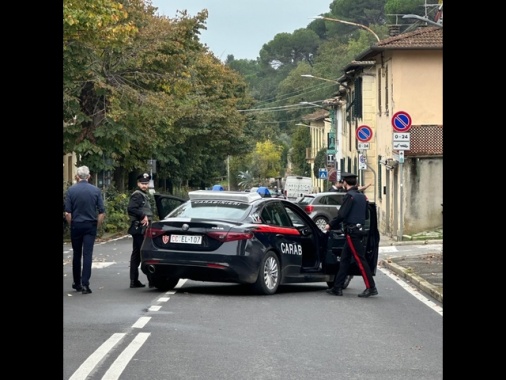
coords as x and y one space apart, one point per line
139 86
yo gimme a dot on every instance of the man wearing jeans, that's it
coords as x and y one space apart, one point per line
85 212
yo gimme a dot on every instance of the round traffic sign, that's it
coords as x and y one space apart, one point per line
401 121
364 133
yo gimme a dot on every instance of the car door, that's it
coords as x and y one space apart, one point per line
312 239
165 203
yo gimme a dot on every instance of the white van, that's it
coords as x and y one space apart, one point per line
296 185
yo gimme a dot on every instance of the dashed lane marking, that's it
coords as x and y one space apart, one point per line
89 364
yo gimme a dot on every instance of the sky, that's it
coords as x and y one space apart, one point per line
242 27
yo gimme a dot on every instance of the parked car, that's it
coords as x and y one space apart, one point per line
321 207
240 237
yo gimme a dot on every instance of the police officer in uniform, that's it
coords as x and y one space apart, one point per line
352 214
140 214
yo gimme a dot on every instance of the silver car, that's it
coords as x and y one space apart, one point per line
321 207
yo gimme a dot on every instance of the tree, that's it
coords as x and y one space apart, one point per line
267 157
301 141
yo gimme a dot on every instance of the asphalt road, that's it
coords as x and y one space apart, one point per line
207 331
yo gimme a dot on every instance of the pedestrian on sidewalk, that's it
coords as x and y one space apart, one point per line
140 214
84 212
352 215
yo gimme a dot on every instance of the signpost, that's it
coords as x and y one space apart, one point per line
401 122
362 162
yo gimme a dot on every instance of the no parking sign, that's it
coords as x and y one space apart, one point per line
364 133
401 121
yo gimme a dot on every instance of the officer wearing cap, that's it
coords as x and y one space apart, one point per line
352 215
140 214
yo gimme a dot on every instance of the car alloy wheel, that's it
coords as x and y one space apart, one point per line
268 277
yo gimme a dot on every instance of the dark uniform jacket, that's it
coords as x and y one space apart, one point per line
353 211
139 206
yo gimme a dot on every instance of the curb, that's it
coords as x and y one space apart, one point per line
390 242
419 282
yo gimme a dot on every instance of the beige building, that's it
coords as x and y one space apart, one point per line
398 81
319 125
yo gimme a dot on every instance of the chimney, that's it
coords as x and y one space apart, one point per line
394 30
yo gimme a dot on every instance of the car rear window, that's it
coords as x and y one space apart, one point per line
213 209
305 200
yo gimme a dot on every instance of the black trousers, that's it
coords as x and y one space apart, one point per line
353 247
135 257
82 236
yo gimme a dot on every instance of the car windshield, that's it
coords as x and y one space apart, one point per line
211 209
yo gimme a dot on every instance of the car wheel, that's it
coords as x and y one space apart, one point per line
347 281
269 275
321 222
164 283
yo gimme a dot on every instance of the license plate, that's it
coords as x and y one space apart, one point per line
186 239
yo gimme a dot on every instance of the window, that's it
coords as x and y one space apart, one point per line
357 106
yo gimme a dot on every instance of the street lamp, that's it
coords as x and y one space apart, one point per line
325 79
311 104
416 17
349 23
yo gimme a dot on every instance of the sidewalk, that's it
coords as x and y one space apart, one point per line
423 271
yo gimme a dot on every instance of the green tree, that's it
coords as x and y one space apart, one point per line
267 156
301 141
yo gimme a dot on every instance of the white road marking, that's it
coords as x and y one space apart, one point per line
119 365
154 308
94 264
387 249
163 299
85 369
179 284
413 291
103 264
141 322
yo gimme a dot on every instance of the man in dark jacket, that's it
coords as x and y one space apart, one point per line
352 215
84 212
140 214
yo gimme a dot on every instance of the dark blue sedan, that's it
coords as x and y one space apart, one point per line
241 237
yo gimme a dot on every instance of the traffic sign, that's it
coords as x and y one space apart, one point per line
362 146
399 156
322 173
399 136
401 145
362 162
401 121
364 133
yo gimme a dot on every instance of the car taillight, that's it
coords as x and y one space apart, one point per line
230 236
309 209
153 232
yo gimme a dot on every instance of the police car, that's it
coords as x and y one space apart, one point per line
241 237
